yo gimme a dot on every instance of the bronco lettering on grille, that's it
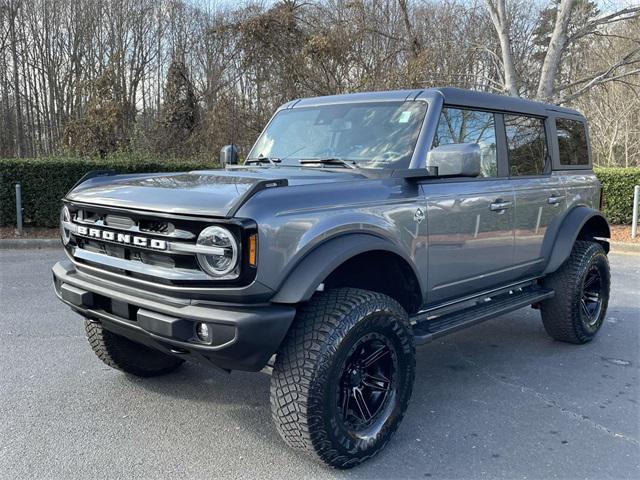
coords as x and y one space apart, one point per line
124 238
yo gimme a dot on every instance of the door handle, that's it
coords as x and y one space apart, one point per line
499 206
555 199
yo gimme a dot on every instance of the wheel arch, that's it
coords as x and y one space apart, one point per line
356 260
581 223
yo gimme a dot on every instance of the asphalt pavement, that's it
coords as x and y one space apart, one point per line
500 400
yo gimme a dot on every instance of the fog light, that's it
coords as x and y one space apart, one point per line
203 332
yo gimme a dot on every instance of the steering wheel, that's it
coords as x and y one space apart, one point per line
388 156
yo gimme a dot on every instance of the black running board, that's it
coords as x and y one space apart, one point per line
428 330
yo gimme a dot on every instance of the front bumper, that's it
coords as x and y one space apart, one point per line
244 337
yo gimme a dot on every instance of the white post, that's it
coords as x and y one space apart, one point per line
634 219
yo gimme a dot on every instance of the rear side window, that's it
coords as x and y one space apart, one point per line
572 142
527 145
470 126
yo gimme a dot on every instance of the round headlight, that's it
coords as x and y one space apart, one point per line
65 216
224 251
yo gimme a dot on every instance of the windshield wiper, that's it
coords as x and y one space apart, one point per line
261 160
329 161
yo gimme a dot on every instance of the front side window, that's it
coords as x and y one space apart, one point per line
470 126
526 144
370 134
572 142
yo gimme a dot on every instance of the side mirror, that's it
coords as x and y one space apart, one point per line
228 155
456 160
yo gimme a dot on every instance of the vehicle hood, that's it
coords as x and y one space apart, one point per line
216 193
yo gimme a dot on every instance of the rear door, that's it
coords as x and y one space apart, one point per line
540 196
469 220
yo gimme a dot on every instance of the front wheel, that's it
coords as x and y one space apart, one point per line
581 285
344 375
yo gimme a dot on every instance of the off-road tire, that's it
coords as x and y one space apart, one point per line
562 315
123 354
311 361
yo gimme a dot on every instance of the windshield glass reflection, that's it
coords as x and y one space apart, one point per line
371 135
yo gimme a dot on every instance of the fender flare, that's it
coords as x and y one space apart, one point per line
303 280
568 233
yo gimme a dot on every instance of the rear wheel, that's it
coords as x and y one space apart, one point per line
123 354
581 285
344 375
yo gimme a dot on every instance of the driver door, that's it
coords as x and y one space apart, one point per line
470 221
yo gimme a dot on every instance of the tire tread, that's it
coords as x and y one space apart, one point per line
560 316
303 361
127 356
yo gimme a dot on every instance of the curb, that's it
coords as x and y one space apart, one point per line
29 243
621 247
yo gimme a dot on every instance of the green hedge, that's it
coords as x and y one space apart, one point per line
617 185
45 181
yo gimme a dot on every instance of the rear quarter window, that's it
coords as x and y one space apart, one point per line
572 142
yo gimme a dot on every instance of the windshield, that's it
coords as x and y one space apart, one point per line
371 135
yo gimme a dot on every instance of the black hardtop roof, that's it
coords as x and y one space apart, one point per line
451 96
491 101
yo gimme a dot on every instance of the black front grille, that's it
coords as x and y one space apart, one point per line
130 260
95 216
155 226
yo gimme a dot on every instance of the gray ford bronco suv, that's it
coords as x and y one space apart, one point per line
358 227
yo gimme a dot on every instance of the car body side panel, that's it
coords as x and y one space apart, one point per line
582 187
582 190
539 209
470 246
296 220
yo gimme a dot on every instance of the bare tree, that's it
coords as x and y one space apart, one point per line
554 50
501 22
13 9
414 41
92 76
547 85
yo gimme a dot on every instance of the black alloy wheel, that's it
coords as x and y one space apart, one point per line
368 385
591 299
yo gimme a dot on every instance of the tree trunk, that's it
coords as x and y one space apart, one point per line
16 82
415 45
498 13
554 51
